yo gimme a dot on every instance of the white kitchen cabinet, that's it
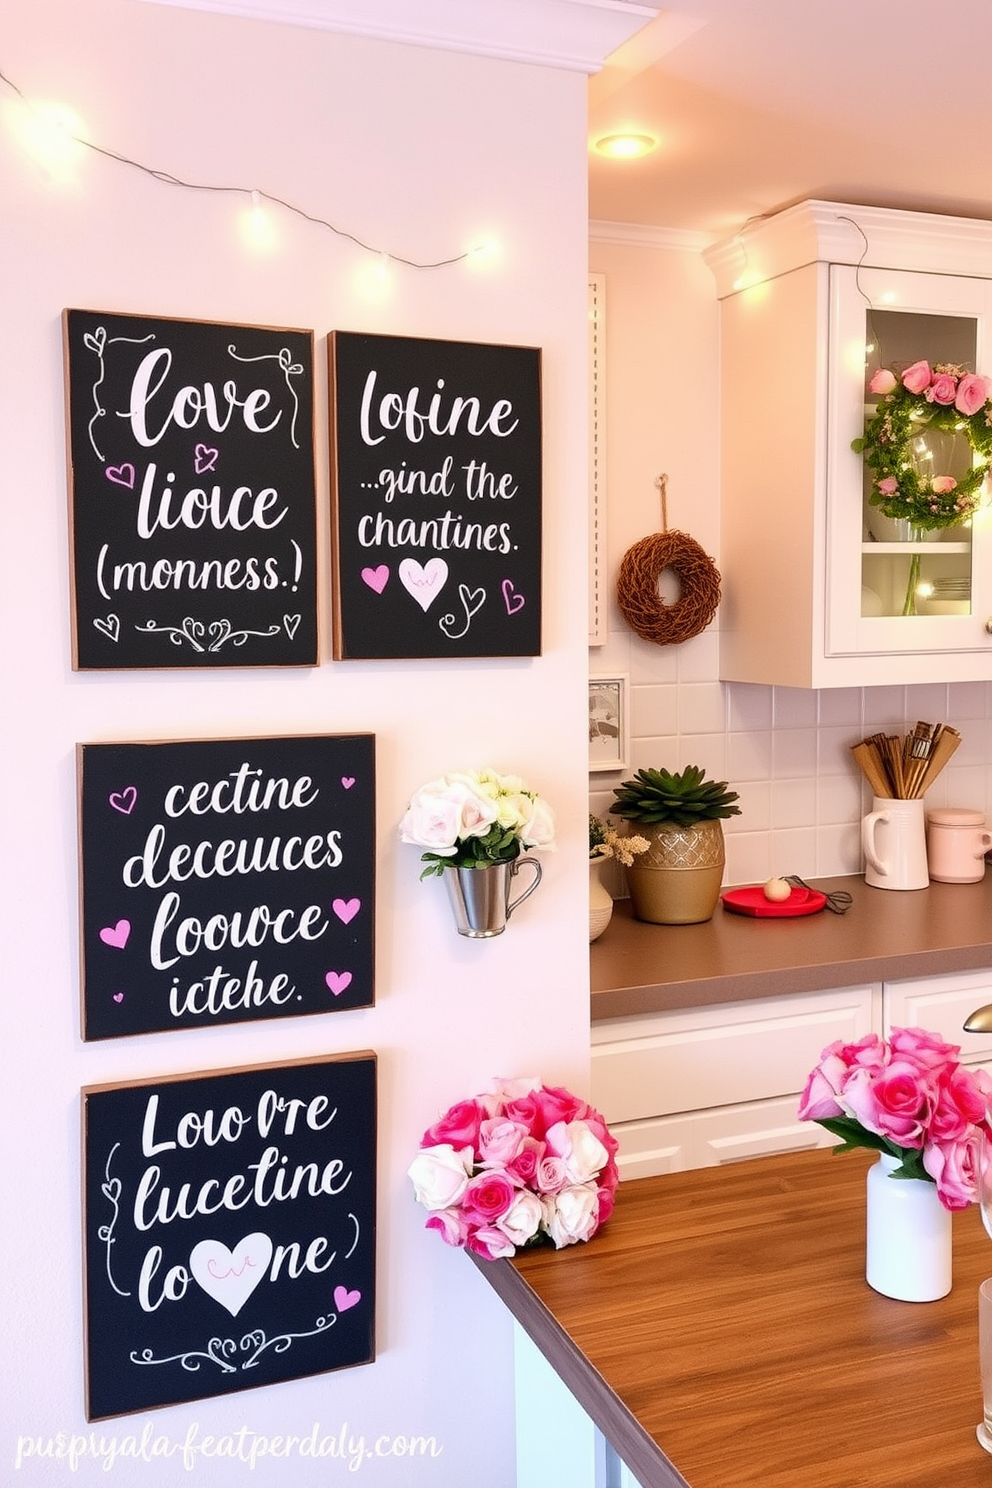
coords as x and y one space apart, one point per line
716 1084
812 301
942 1004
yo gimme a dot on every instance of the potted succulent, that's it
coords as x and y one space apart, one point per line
677 880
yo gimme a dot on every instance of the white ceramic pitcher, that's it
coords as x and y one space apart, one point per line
893 839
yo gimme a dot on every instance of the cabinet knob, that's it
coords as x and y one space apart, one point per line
988 625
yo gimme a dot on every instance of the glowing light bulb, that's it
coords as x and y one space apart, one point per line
50 134
625 146
257 226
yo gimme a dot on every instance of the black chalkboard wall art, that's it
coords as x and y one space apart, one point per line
192 498
229 1230
436 487
225 880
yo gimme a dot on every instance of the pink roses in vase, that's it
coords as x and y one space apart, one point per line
910 1098
521 1163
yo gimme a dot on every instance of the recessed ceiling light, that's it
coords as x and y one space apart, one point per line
625 146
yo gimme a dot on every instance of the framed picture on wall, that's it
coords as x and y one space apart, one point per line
609 722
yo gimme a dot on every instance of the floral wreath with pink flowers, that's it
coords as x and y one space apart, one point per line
943 397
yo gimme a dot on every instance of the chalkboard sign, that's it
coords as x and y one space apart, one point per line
229 1230
436 485
191 478
225 880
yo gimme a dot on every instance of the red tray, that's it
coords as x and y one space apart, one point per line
752 901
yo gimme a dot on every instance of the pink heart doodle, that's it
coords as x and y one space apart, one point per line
121 475
116 935
513 602
346 909
204 458
347 781
338 981
376 578
124 801
118 996
343 1299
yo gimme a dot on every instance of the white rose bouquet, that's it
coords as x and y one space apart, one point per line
474 818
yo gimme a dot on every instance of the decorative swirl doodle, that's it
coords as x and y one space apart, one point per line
111 1190
290 369
472 601
220 1350
191 1359
96 341
196 633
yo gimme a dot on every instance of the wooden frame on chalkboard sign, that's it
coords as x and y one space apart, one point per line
436 497
229 1230
192 497
225 880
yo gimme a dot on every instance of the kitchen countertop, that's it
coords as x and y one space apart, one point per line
720 1332
886 935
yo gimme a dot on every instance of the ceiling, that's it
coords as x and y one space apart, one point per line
757 104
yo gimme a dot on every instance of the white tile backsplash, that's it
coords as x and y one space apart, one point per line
787 752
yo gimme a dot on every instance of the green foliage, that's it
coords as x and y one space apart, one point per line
684 799
853 1135
499 845
597 832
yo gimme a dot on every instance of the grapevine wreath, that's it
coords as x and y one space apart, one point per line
637 584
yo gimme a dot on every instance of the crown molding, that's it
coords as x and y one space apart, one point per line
574 35
641 235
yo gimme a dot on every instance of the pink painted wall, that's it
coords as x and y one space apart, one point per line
420 153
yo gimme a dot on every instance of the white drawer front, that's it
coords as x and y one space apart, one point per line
942 1004
719 1056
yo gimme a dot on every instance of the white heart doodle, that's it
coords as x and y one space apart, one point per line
230 1276
426 583
111 627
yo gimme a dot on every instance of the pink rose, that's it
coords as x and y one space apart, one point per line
550 1175
942 389
963 1098
490 1243
888 485
459 1126
499 1141
923 1047
487 1196
917 377
883 381
954 1167
819 1099
942 484
895 1102
450 1225
973 392
523 1168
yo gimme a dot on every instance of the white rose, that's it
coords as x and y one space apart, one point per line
477 811
575 1215
432 819
440 1175
522 1220
579 1148
538 830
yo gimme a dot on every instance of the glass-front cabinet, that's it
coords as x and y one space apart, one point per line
918 590
821 586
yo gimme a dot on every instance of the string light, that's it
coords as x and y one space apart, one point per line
67 132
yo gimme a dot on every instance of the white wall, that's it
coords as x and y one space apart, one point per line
784 749
420 153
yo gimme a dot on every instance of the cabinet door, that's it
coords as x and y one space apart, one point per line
942 1004
879 600
757 1130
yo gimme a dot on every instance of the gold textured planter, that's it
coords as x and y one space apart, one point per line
677 881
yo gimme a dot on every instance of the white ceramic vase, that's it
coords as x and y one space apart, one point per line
908 1251
600 900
